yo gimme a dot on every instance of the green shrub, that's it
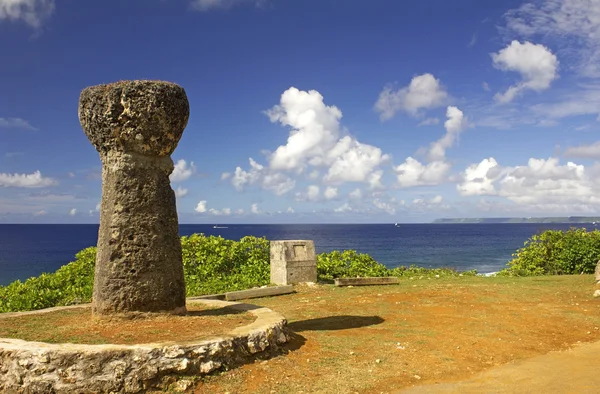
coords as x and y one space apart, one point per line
556 252
215 265
348 264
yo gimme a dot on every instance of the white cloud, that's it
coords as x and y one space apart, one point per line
541 185
315 143
290 210
414 173
98 207
573 24
15 123
181 192
429 122
331 193
584 151
40 213
537 65
344 208
32 12
478 179
33 180
278 183
182 171
255 210
225 175
73 212
222 212
455 124
201 207
485 86
354 162
241 178
423 92
384 206
207 5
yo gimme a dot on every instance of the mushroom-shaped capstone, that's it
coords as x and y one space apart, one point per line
146 117
135 126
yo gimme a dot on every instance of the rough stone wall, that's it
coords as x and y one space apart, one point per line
33 367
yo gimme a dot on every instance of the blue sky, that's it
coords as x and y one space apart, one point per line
315 110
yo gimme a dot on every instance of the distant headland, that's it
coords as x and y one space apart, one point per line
569 219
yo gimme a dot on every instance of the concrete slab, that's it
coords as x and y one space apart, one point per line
375 281
256 293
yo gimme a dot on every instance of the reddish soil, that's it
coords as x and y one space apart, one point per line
78 326
385 338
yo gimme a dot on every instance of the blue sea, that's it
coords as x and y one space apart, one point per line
28 250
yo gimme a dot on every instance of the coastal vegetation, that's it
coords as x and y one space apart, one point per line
556 252
215 265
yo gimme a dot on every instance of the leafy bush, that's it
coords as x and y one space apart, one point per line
556 252
215 265
348 264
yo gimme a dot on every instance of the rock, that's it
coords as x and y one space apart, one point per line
598 272
135 126
597 294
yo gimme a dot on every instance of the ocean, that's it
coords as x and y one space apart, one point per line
28 250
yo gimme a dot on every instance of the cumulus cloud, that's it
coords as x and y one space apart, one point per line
73 212
201 207
181 192
478 179
208 5
316 143
182 171
537 65
15 123
455 124
33 12
574 25
542 184
331 193
33 180
414 173
255 210
423 92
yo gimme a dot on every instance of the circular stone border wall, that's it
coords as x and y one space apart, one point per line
38 367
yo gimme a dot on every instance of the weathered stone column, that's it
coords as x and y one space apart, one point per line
135 126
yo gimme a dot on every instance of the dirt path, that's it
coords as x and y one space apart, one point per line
571 371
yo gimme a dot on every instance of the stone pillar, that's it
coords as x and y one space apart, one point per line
135 126
293 262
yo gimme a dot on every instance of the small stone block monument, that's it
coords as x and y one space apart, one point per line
293 262
135 126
